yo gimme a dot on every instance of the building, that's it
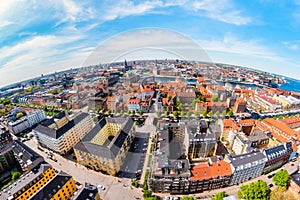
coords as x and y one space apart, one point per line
170 167
134 104
277 156
5 136
295 183
112 103
212 175
18 126
7 160
35 116
88 192
186 97
62 132
202 141
239 106
105 147
246 166
28 184
62 186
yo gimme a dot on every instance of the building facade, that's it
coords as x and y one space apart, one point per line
62 132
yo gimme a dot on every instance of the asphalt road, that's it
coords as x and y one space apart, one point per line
116 188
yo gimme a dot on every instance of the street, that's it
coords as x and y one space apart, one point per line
114 188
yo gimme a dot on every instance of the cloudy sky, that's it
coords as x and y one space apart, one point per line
39 37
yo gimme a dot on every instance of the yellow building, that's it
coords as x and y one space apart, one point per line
28 184
282 100
104 148
61 187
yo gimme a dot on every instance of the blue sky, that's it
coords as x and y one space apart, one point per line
39 37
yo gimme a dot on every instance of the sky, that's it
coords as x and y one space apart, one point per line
40 37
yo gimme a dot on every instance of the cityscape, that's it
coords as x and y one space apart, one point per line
153 128
149 100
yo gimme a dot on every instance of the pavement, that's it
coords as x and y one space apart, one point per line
116 188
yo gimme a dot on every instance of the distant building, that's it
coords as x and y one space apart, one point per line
5 136
62 132
105 147
239 106
134 104
35 116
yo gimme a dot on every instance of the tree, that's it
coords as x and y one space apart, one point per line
189 114
188 198
260 119
281 179
194 103
169 97
19 115
255 190
197 114
15 175
215 98
115 112
147 193
204 113
182 114
230 113
166 114
141 112
128 112
224 113
280 194
280 117
135 183
133 112
176 114
151 198
109 112
158 113
220 196
217 113
122 112
180 107
210 114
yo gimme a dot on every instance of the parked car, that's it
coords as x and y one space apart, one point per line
101 187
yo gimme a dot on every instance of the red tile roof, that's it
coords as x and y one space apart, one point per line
205 171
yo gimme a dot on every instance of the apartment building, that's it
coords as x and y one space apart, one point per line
29 183
62 132
5 136
246 166
170 167
35 116
88 192
202 141
277 156
105 147
61 186
214 174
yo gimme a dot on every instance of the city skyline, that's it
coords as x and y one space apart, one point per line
40 38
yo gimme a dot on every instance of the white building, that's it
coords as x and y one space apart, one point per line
35 116
61 133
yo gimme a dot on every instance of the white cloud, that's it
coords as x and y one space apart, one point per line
231 44
293 45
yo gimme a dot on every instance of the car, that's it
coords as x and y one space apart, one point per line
292 164
101 187
270 185
271 175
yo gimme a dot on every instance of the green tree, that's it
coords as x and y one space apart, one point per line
255 190
189 114
158 113
280 117
204 113
220 196
169 97
19 115
282 179
128 112
133 112
115 112
135 183
230 113
197 114
122 112
210 114
188 198
194 103
166 114
203 99
141 112
147 193
151 198
217 113
109 112
224 113
180 107
260 119
182 114
15 175
215 98
176 114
